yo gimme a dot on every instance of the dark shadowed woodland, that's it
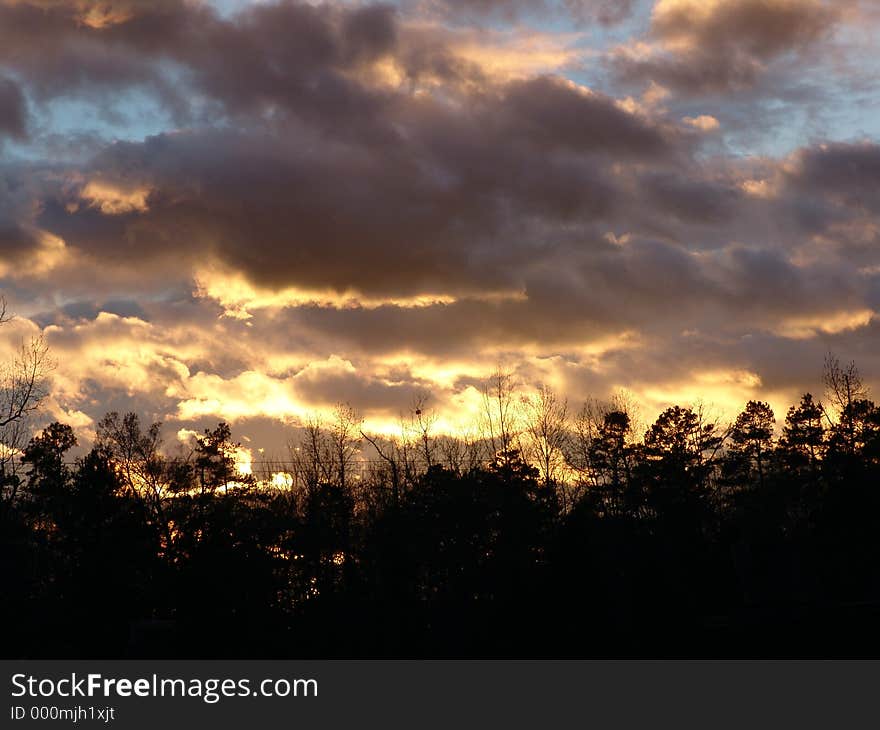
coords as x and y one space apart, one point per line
552 534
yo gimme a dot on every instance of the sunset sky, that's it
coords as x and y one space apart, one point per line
254 210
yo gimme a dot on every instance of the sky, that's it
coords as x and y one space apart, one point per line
252 211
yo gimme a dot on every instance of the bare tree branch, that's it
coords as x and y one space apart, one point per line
23 381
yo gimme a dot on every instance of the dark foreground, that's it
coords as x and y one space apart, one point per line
675 546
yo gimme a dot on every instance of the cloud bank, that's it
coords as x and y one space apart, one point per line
256 214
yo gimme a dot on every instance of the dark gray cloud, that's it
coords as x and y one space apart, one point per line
287 53
604 12
57 53
404 193
366 392
16 242
13 109
78 311
726 46
438 202
762 29
691 199
847 173
695 73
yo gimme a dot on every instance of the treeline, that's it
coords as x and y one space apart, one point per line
544 535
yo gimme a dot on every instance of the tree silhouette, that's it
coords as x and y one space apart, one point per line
802 442
547 428
751 444
23 388
697 540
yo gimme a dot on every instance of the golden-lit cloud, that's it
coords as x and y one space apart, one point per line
113 199
50 253
758 188
239 298
704 122
722 391
480 55
95 14
103 15
828 323
520 54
